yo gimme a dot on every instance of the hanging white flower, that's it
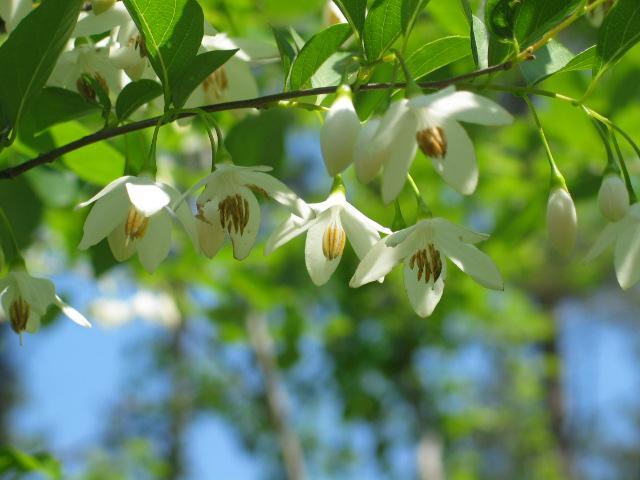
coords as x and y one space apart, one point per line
339 132
613 198
430 122
228 207
369 156
625 236
25 299
562 221
423 249
328 226
134 214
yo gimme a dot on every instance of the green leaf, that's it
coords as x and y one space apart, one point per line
29 55
287 48
382 27
55 105
549 59
619 32
500 18
536 17
331 71
583 61
354 11
12 459
437 54
197 71
172 31
410 11
134 95
479 42
315 52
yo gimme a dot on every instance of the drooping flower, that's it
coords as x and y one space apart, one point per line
134 214
339 132
562 220
328 226
228 207
25 299
369 156
423 249
430 122
613 198
625 236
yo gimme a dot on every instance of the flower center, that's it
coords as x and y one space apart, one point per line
85 87
234 214
19 314
433 142
137 43
136 225
333 241
216 84
428 262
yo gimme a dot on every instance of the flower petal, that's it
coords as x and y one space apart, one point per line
72 313
148 199
402 151
467 107
472 261
458 232
338 135
626 257
423 296
210 236
360 235
276 190
154 246
39 293
243 240
360 217
108 212
369 156
320 268
606 238
120 248
290 229
380 260
95 24
458 167
108 189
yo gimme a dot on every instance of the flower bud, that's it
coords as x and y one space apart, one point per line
339 133
562 221
101 6
613 198
369 154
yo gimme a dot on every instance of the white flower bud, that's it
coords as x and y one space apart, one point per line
101 6
613 198
562 221
339 133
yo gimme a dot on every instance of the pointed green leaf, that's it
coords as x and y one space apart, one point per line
549 59
172 31
134 95
437 54
536 17
28 56
287 48
197 71
382 27
354 11
315 52
619 32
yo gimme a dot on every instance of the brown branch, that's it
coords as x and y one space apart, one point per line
260 102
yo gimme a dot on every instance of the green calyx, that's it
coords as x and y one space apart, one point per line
338 185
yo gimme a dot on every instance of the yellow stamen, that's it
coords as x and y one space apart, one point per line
135 226
234 214
19 315
428 262
333 241
433 142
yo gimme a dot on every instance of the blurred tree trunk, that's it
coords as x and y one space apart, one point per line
277 400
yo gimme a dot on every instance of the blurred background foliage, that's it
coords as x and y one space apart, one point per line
484 389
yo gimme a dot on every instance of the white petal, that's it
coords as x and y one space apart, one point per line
361 237
467 107
338 135
210 236
109 211
243 241
626 257
154 246
290 229
458 232
33 323
473 262
120 249
458 168
95 24
380 260
109 188
402 151
72 313
39 293
386 131
319 267
360 217
148 199
276 190
606 238
369 156
423 296
396 238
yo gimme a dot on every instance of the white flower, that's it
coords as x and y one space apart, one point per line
613 198
134 214
369 156
423 249
228 207
431 123
13 11
25 299
328 226
625 234
562 221
332 15
339 132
